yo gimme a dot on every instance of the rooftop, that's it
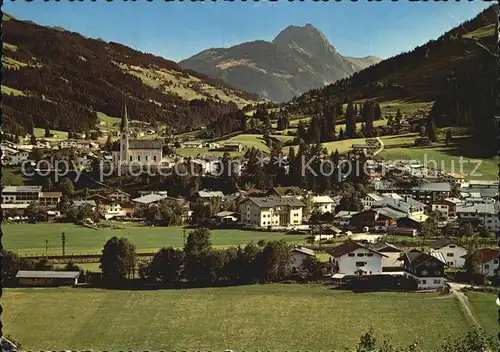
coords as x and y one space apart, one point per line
304 250
22 189
322 199
349 246
269 202
428 187
480 208
150 198
210 194
145 144
48 274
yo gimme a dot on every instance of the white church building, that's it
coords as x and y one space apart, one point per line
138 152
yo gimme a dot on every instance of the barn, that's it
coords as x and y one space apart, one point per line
47 278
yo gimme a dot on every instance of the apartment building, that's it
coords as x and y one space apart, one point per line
271 211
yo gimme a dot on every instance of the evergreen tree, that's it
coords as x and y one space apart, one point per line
431 130
350 123
449 137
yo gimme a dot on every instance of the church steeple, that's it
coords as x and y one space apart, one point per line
124 158
124 124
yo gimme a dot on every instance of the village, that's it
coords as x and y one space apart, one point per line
432 215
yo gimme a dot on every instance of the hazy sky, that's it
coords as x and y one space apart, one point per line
177 30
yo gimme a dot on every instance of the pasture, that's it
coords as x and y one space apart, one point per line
275 317
29 239
483 306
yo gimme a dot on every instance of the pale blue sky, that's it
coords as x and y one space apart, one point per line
178 30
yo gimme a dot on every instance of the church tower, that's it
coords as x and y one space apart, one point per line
124 138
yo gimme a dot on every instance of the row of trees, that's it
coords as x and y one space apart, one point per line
198 262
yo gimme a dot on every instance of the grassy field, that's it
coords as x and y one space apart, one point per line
258 317
485 309
30 238
406 107
12 176
59 135
486 31
446 157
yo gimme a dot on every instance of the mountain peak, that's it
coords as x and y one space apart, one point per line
308 38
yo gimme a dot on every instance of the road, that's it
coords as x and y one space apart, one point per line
464 300
382 146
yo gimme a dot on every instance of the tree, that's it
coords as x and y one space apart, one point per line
33 140
429 229
47 133
273 261
431 130
449 137
367 342
196 251
109 144
166 265
198 241
118 260
350 122
350 202
66 187
399 117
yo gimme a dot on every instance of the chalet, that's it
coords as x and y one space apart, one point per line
405 205
49 199
483 214
426 268
378 218
299 254
352 258
392 259
206 196
455 178
323 204
149 199
198 145
47 278
452 252
488 261
371 198
119 196
271 211
227 217
412 221
343 217
425 192
110 209
232 147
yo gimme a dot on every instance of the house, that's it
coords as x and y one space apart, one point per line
453 253
198 145
425 192
483 214
119 196
299 254
271 211
206 196
127 208
21 194
426 268
232 147
455 178
488 261
406 205
49 199
109 209
18 157
353 258
79 203
392 259
227 217
213 145
323 204
370 198
377 218
343 217
412 221
447 206
47 278
148 199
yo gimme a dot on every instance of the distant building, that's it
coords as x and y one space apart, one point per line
47 278
271 211
299 254
324 204
479 214
425 192
21 194
198 145
426 268
353 258
452 252
149 199
232 147
488 261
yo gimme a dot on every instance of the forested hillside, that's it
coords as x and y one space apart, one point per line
61 80
457 72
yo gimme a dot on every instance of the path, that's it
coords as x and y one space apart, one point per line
464 301
382 146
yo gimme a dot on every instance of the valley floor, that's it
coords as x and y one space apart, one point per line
259 317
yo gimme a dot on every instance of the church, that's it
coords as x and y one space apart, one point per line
136 152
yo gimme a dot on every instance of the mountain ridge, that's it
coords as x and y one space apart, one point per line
298 59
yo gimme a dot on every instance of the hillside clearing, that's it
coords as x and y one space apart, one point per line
311 317
58 135
7 91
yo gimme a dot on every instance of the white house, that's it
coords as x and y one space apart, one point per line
452 252
488 261
271 211
110 209
343 217
392 254
299 254
323 204
426 268
353 258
